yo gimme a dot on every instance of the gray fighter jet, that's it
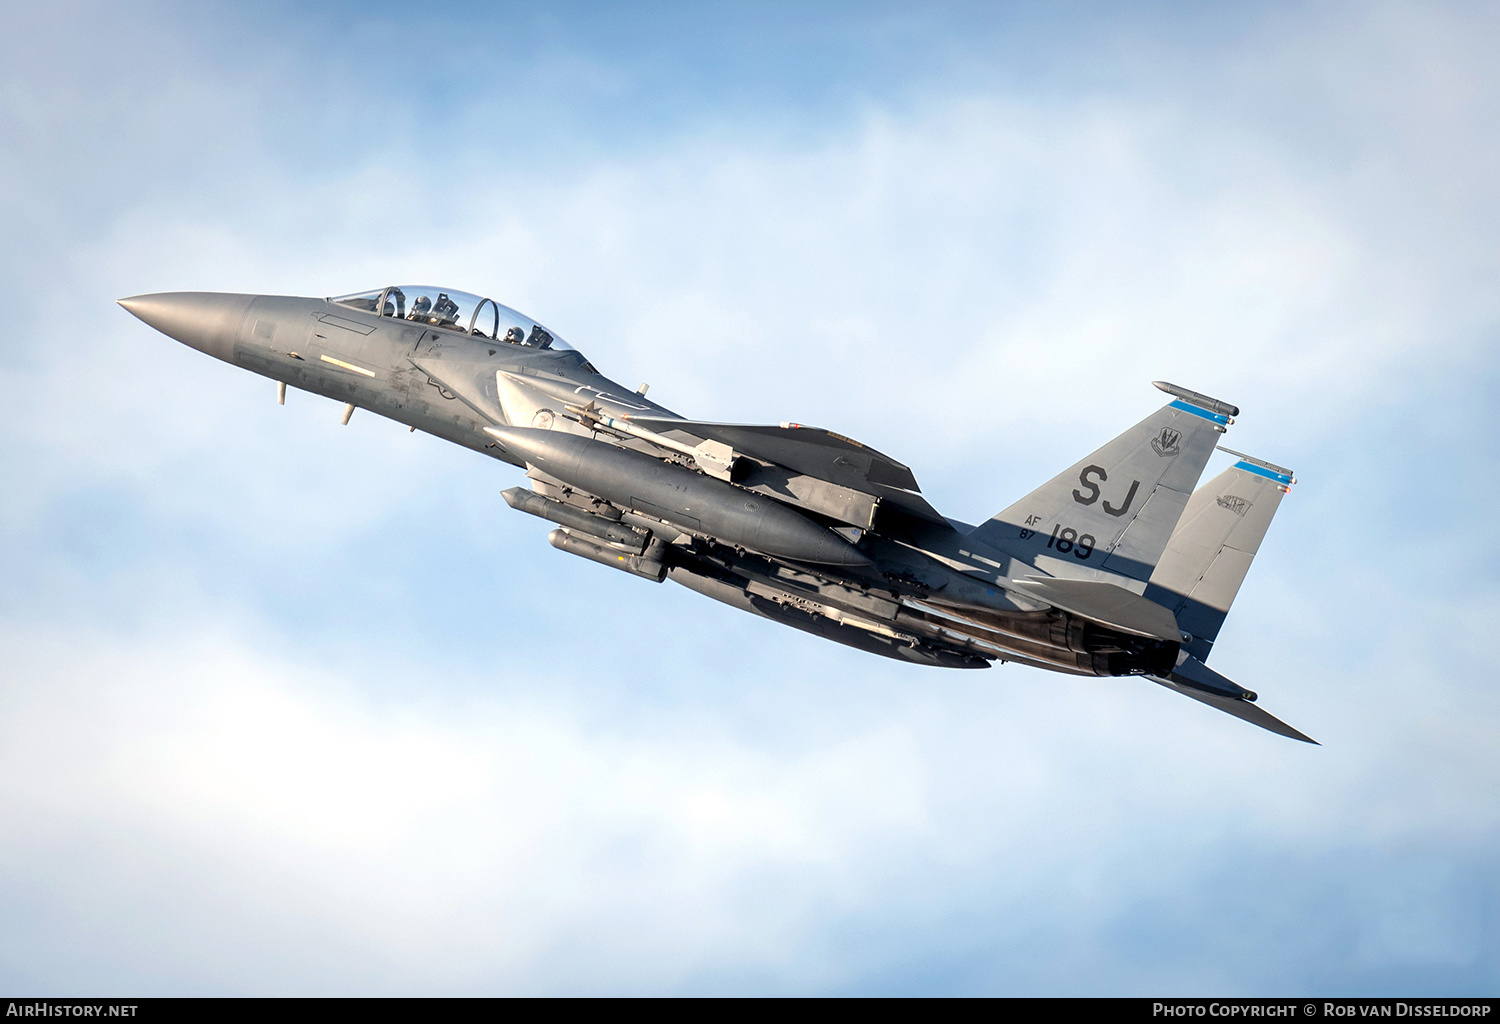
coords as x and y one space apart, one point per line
1115 567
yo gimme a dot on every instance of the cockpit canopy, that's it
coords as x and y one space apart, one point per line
453 310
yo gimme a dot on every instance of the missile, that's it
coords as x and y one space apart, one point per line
686 499
522 500
647 566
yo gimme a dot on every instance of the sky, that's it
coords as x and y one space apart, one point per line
295 708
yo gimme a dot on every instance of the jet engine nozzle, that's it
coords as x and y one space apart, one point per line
206 321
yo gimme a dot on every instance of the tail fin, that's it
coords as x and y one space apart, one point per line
1115 510
1206 560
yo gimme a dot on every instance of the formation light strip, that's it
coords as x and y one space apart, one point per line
347 366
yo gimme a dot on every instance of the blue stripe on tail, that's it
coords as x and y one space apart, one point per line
1186 407
1249 467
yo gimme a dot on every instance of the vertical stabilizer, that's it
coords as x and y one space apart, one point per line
1115 510
1210 552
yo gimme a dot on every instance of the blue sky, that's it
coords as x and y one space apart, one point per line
288 707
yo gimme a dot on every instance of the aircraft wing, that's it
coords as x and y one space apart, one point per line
810 450
814 453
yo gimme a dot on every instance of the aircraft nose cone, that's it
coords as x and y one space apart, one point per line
206 321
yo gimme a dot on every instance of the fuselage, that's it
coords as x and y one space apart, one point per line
470 371
372 362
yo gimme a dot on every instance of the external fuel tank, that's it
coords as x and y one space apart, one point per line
682 497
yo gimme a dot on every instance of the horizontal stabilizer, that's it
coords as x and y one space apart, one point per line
1251 713
1192 672
1192 678
1104 603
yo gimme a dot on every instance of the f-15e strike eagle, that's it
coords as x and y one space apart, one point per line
1115 567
